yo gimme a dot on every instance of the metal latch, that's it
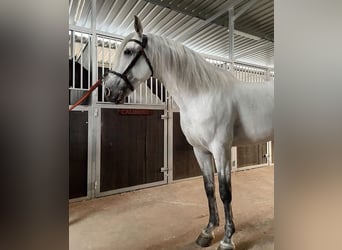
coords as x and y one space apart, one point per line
96 112
166 116
164 169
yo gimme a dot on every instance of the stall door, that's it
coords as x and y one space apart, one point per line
251 155
78 154
132 148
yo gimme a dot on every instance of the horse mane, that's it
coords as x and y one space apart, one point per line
189 67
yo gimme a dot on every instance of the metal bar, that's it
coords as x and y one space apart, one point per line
151 92
70 6
156 88
132 188
161 92
231 37
224 9
89 51
169 108
81 58
131 106
92 128
83 198
252 167
146 93
109 54
135 96
165 162
73 59
102 50
81 10
77 10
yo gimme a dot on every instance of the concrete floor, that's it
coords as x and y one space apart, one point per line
172 216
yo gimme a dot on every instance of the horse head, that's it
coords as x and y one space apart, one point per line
132 66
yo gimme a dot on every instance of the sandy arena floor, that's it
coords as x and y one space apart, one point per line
172 216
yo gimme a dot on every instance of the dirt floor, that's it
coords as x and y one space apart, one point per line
172 216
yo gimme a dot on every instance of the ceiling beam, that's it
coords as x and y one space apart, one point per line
246 7
189 32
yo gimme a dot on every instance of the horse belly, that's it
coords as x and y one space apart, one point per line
253 132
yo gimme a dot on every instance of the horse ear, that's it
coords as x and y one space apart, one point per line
138 26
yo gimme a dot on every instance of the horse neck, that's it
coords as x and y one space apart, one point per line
183 72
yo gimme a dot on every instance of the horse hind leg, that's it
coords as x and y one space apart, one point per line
205 161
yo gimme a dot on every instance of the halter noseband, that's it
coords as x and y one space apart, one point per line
123 76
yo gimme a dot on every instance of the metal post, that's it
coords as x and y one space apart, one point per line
231 38
169 146
234 158
93 172
269 153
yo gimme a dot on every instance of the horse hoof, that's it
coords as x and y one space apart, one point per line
226 246
204 239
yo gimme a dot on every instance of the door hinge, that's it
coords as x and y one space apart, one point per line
95 185
96 112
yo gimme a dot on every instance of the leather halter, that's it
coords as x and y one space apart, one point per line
141 52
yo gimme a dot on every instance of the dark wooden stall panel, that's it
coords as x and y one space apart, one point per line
251 155
78 154
185 164
132 148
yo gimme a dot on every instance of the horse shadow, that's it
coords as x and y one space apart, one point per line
249 236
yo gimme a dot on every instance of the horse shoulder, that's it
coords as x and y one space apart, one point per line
206 120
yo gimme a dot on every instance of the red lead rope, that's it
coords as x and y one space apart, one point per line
95 85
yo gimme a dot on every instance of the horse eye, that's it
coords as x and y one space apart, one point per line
128 52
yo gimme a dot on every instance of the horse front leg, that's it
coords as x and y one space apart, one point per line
222 158
205 161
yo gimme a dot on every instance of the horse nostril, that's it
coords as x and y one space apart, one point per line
107 92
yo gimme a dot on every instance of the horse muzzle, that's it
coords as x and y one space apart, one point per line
117 97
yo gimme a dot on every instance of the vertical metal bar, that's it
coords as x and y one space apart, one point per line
231 37
156 88
151 92
168 105
140 93
89 69
94 128
269 153
73 59
135 96
234 157
161 92
102 50
109 54
146 93
81 57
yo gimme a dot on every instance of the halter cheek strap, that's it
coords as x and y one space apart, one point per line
141 52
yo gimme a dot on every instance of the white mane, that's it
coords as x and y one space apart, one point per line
188 67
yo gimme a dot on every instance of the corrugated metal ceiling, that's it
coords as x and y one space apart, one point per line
189 22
